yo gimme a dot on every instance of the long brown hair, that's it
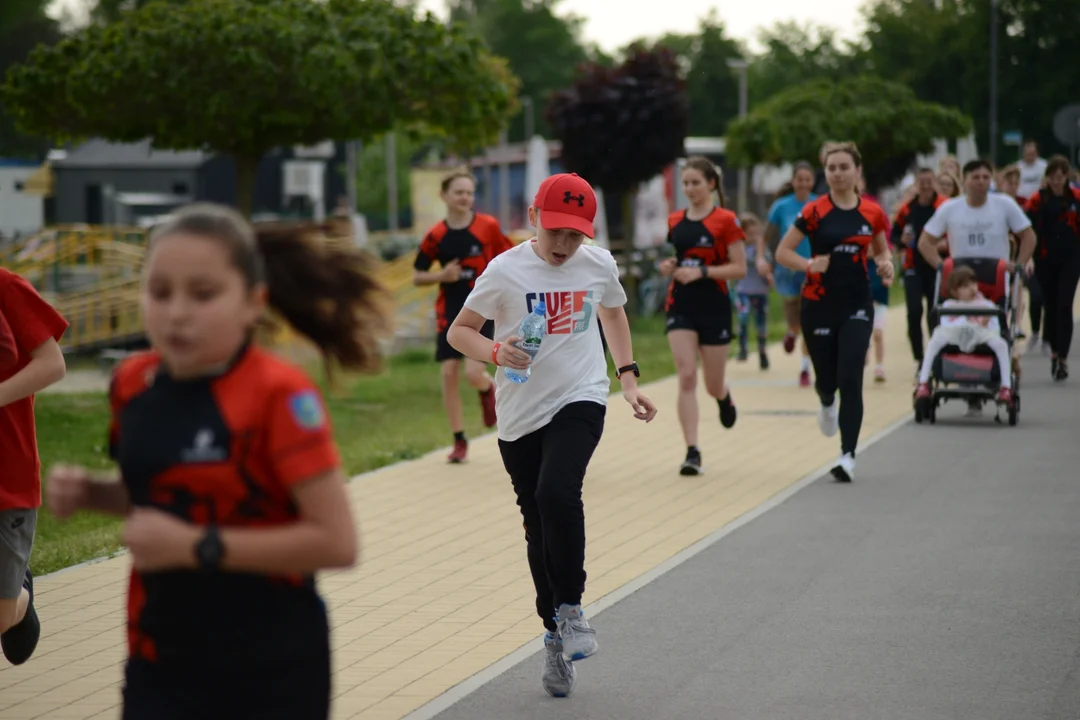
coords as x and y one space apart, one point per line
326 290
711 173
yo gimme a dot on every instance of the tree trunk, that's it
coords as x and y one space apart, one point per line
246 170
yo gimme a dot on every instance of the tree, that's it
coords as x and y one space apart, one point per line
794 54
1036 71
541 45
258 75
110 11
886 120
620 127
23 26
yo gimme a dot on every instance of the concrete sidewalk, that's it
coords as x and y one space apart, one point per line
443 589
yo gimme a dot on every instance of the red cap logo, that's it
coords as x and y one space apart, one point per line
566 201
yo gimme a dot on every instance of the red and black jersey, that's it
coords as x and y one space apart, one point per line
701 243
222 450
474 247
915 215
845 236
1056 221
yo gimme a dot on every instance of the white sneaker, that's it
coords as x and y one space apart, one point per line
845 468
828 419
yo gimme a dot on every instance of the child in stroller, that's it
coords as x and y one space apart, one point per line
968 321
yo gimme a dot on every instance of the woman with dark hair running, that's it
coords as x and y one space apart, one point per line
710 252
919 276
230 484
837 313
463 244
788 283
1055 216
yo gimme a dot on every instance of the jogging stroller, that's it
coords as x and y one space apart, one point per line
974 376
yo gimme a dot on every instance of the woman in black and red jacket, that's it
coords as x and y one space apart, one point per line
1055 215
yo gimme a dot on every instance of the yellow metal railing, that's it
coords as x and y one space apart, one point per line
107 314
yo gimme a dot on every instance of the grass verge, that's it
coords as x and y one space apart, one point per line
379 420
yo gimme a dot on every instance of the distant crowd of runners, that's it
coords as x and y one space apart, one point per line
230 483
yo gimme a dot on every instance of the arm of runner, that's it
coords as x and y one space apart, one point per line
46 367
617 333
883 258
1027 246
1020 225
734 268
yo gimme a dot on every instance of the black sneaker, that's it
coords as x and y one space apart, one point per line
763 360
1053 368
742 356
692 464
20 641
727 411
1062 371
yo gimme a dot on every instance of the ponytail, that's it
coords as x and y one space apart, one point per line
324 289
328 292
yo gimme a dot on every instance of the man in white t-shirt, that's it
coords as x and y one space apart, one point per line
1032 169
550 425
977 223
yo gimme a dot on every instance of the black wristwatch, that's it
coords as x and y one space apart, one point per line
632 367
210 550
704 272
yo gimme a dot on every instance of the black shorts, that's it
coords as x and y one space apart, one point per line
711 328
445 351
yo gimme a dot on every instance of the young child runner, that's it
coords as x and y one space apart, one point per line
752 292
837 314
709 253
550 425
783 213
463 244
30 361
966 332
230 484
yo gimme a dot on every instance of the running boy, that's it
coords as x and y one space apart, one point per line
30 361
752 292
550 425
966 331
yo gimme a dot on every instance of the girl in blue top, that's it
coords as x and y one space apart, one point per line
788 283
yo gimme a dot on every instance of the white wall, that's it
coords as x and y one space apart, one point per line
20 213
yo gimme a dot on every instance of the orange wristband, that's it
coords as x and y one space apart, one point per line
495 353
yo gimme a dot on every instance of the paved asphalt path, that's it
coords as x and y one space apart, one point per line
943 584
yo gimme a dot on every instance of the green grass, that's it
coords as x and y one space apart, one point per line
379 420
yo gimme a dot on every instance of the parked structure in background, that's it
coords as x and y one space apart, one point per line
22 212
99 182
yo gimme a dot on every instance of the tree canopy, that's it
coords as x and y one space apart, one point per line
621 126
23 26
258 75
885 119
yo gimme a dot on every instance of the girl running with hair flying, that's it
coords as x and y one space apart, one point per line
837 313
1055 216
463 245
550 425
788 283
709 253
230 484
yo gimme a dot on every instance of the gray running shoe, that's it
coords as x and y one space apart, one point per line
578 639
559 675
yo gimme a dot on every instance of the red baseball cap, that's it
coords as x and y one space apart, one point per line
567 201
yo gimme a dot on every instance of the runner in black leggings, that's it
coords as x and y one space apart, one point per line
919 276
837 314
1055 216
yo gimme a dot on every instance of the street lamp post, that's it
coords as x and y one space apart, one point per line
740 66
993 80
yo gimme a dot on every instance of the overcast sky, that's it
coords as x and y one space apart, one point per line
612 24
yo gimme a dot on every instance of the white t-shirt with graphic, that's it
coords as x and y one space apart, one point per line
571 365
978 232
1030 177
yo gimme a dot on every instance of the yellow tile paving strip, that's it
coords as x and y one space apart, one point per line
443 590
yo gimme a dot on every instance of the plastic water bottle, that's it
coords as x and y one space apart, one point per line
533 329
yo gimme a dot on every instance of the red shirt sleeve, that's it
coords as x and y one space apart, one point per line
428 253
31 320
807 221
731 232
881 223
299 438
